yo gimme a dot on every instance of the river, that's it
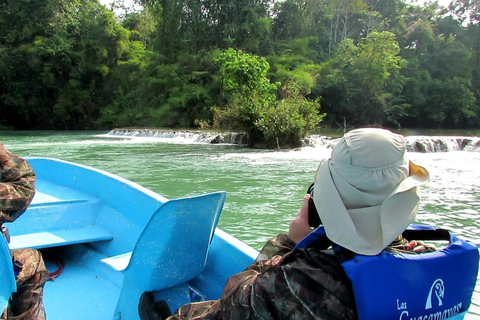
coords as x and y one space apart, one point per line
265 188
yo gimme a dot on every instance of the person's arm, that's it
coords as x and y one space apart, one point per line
260 291
299 227
17 185
283 244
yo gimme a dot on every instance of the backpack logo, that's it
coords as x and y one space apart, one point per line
437 289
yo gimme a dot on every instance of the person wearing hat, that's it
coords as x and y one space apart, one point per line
366 194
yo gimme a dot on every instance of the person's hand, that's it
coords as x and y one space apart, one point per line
5 160
299 227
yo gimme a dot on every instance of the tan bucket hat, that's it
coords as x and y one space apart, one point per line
367 193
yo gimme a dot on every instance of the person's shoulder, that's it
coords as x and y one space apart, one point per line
309 277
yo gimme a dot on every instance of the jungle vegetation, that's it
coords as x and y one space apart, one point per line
276 69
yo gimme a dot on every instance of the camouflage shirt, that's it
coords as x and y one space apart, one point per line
282 284
17 188
309 283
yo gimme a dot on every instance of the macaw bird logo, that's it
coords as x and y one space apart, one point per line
439 289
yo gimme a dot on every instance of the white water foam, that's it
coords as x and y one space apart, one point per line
310 145
182 136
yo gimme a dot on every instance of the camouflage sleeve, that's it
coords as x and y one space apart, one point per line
295 286
236 296
17 188
277 246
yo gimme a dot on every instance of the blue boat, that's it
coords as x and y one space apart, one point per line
108 240
114 239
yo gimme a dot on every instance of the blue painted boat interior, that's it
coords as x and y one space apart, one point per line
87 217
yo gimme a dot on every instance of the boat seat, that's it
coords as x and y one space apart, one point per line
171 250
62 221
7 277
60 237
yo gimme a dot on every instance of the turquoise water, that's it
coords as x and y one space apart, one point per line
265 188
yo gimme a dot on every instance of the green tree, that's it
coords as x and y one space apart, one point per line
97 41
450 102
359 85
74 64
468 13
296 21
246 89
438 59
289 120
288 22
244 25
54 74
252 104
26 83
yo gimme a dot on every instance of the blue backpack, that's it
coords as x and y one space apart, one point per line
434 285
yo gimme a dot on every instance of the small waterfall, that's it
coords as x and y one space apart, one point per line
442 143
206 137
319 141
423 144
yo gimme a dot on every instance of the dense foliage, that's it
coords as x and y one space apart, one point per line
263 66
252 104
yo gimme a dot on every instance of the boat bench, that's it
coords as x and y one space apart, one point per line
60 237
63 222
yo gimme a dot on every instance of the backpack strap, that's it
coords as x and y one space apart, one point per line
317 238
